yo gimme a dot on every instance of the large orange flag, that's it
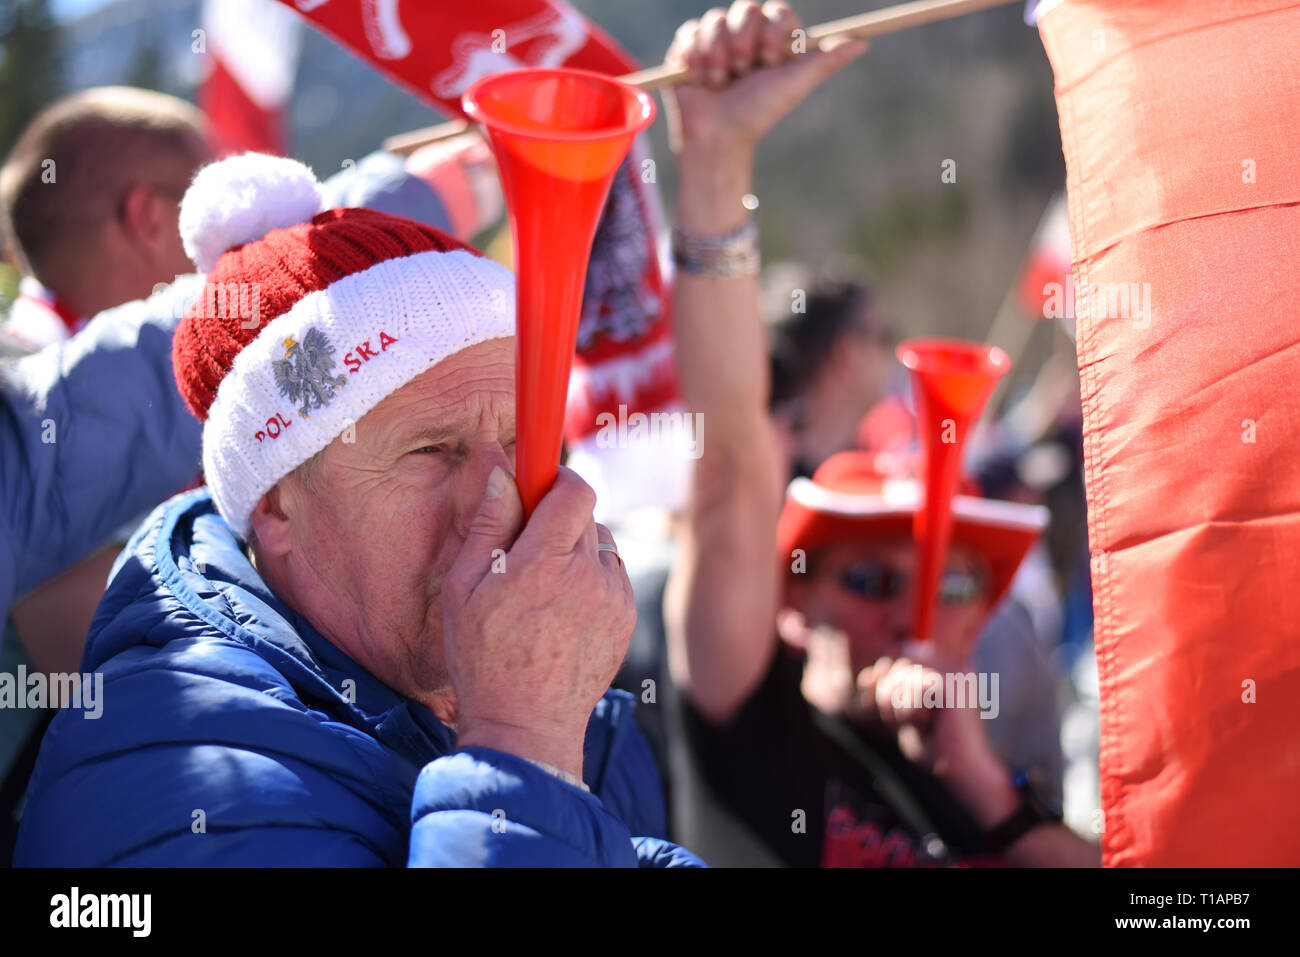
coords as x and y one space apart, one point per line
1181 128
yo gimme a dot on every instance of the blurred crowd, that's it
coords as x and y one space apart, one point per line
773 669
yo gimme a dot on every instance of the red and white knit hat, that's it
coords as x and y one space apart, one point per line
310 318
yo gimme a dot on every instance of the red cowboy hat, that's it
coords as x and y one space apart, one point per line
857 495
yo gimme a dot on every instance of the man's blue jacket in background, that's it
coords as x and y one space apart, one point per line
93 433
231 733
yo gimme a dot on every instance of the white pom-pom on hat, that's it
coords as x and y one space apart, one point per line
242 198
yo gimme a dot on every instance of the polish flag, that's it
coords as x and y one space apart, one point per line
1044 282
252 46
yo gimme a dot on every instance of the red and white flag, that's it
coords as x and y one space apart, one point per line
252 48
437 50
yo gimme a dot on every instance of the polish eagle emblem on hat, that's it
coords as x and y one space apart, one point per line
305 374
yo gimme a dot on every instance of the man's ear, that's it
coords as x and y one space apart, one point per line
147 216
272 526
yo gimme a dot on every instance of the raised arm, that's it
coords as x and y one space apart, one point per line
721 600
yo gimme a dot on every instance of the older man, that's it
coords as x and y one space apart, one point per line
345 651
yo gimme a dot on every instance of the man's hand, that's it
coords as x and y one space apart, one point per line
747 72
949 742
534 627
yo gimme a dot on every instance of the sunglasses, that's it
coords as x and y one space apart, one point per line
878 581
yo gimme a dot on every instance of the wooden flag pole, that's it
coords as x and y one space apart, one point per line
860 27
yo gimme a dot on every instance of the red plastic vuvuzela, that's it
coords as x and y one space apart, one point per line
558 136
952 380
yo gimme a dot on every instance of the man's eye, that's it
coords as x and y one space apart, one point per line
426 449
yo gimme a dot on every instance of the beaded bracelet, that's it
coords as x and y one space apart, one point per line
735 254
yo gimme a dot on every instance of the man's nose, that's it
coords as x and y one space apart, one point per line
483 457
491 454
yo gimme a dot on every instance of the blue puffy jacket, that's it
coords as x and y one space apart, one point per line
229 732
93 433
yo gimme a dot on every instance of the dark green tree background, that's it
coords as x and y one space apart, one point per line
31 64
31 75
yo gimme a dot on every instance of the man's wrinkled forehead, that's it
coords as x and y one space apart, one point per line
473 389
